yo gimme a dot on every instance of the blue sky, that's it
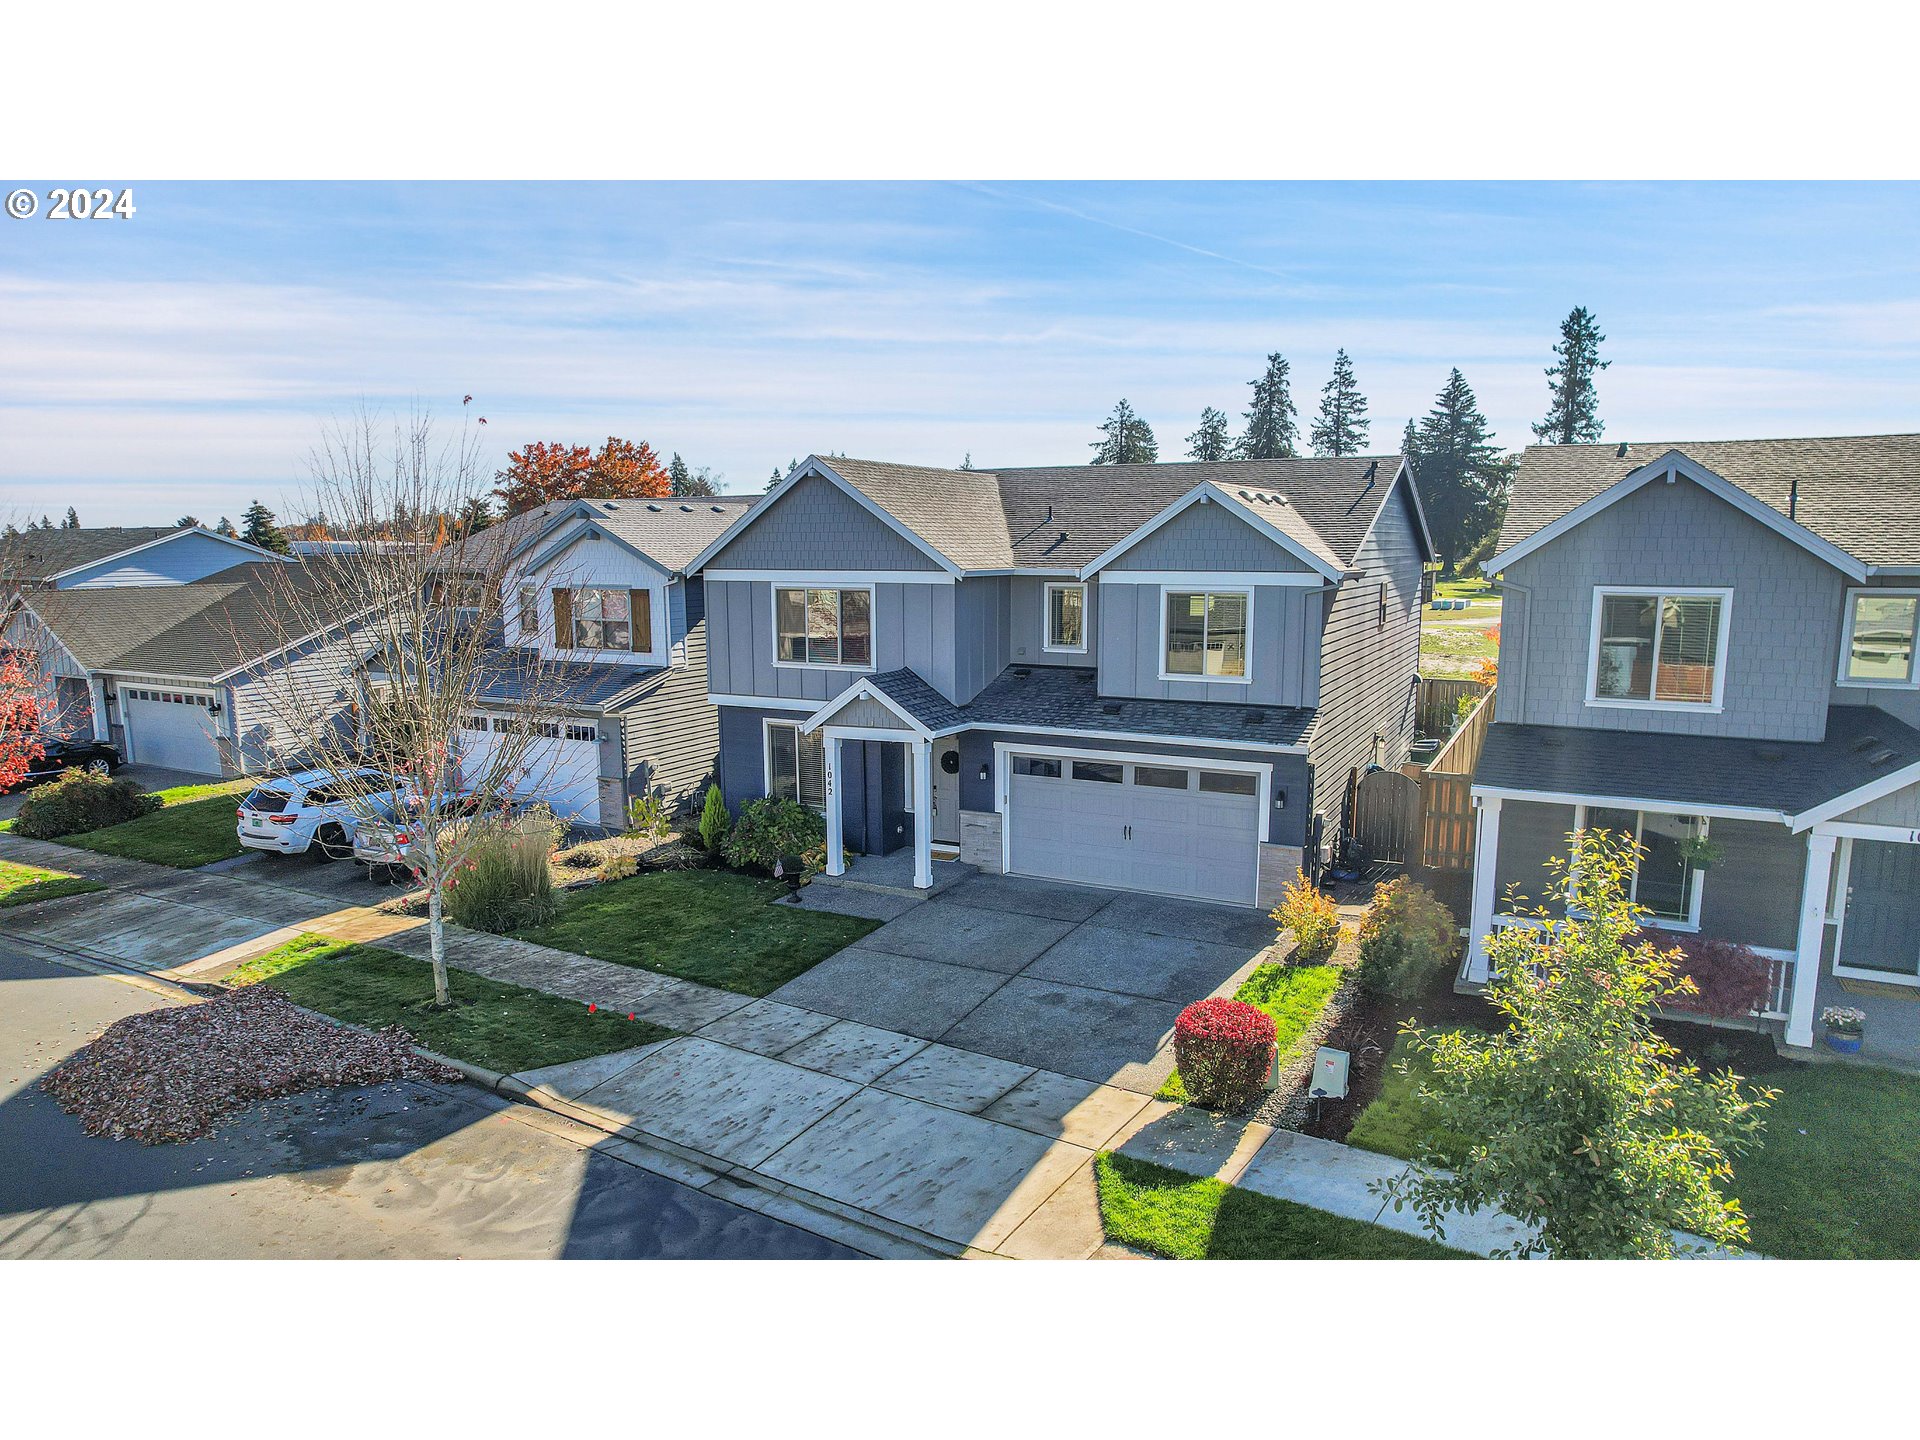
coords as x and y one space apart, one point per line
186 360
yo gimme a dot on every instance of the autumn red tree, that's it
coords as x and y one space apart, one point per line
542 472
24 716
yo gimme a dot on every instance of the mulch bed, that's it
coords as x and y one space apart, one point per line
171 1074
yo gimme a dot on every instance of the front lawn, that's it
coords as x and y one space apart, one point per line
1294 995
715 926
24 884
1395 1121
1186 1217
498 1026
194 826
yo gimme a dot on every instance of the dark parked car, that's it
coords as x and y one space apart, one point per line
62 755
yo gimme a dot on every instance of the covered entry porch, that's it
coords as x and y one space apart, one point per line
880 784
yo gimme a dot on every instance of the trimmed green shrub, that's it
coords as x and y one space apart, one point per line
80 801
768 829
1312 917
504 883
714 819
1405 939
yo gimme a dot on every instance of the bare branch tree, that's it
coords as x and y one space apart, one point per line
396 660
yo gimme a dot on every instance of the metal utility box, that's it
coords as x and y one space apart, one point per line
1329 1080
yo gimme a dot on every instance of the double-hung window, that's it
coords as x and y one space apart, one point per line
1658 648
796 765
602 620
1205 634
823 627
1066 618
1879 645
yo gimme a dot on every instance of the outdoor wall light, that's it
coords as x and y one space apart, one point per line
983 770
1280 799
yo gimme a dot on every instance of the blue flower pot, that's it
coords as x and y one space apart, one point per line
1845 1044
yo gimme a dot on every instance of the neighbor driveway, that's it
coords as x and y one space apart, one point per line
1061 978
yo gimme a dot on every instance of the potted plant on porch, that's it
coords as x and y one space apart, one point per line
1700 852
1846 1028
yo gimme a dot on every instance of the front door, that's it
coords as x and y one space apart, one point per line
946 791
1879 923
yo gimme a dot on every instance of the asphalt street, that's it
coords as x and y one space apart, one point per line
402 1171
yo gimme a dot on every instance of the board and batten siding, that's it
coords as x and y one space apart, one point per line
1368 671
817 524
1283 659
1783 644
1027 623
670 734
912 628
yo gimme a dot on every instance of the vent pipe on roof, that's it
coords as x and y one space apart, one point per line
1793 499
1621 453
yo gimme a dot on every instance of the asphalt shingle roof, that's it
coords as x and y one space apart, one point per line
1863 744
671 531
33 555
1859 492
571 684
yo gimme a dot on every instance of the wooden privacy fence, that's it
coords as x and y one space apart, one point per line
1446 791
1439 702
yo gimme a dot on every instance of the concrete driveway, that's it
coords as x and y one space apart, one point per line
1059 978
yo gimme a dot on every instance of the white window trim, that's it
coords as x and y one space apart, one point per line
1912 682
520 594
1046 617
873 626
766 758
1201 586
1683 707
1697 886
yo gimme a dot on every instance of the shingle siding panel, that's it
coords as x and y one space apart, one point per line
817 524
1206 537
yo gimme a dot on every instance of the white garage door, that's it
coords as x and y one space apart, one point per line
172 728
563 769
1169 827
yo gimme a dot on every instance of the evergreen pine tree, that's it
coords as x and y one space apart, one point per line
1128 439
966 461
225 527
702 482
1573 413
187 522
1272 424
1463 478
72 522
1210 441
678 476
263 530
475 514
775 478
46 522
1343 424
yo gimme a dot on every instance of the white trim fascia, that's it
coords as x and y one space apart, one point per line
1215 579
1046 617
764 702
1419 515
866 732
1894 570
1862 795
1722 593
233 540
1676 463
838 666
1207 493
843 579
1204 679
1048 572
864 690
1855 830
1634 802
1853 593
814 465
1003 727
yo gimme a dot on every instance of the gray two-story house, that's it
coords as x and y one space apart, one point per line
1155 677
1716 642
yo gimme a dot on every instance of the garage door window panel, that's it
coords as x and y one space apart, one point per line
1098 771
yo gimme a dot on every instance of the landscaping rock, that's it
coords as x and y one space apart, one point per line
170 1074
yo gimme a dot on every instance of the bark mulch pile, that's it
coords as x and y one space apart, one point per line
172 1073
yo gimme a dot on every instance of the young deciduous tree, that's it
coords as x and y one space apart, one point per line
1127 439
1463 478
422 689
1273 429
1210 441
1342 426
1573 412
1579 1119
260 527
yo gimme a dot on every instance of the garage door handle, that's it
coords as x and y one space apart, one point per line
1129 834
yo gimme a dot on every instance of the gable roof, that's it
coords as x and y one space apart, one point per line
38 555
1064 518
669 531
1857 493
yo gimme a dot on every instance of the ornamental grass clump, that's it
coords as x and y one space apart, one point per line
1312 917
504 883
1224 1050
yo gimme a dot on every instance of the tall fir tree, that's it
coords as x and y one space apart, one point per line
187 522
1273 428
225 527
679 477
1128 440
1210 441
966 461
1342 426
259 526
1573 411
1463 477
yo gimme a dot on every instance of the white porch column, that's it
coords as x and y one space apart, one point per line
1486 847
836 843
1813 925
922 761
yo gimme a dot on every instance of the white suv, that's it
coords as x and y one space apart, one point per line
314 812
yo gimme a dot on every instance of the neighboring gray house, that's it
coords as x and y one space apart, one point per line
1718 640
113 555
600 588
1157 677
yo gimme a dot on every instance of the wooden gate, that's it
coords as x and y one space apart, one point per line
1386 818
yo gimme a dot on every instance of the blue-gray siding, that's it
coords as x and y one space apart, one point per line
670 735
1284 664
1027 634
1206 537
279 707
172 562
816 523
913 626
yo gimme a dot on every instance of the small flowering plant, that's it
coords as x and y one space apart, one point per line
1844 1020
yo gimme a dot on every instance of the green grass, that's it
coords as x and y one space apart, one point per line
1294 995
25 884
1394 1123
1185 1217
713 926
194 826
1455 650
499 1026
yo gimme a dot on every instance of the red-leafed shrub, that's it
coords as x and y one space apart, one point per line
1731 981
1224 1049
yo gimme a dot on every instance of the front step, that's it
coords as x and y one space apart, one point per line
889 879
